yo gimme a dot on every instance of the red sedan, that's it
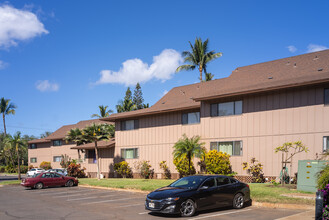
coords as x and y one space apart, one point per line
39 181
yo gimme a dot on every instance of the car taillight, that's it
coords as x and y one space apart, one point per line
247 185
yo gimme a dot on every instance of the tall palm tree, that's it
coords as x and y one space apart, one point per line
75 135
199 57
208 76
17 142
6 108
189 148
103 112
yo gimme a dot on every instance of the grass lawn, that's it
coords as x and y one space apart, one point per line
259 192
10 182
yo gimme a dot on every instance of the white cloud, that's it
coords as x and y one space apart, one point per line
135 70
46 86
18 25
164 93
292 49
3 64
314 48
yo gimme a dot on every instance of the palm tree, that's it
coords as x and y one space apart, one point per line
6 108
103 112
198 57
189 148
17 142
75 135
125 106
208 76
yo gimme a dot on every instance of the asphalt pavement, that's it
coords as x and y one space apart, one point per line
16 202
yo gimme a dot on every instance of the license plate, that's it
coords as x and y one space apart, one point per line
151 205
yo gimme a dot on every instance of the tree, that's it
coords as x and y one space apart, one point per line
6 108
17 142
189 148
208 76
92 134
127 104
138 97
103 112
199 57
45 134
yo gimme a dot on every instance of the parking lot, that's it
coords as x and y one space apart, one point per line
17 202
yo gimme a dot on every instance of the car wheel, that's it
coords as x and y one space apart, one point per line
238 201
38 186
187 208
69 183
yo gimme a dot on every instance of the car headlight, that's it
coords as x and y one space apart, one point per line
172 199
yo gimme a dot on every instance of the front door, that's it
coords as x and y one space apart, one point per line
206 194
224 192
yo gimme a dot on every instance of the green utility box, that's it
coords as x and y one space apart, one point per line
307 172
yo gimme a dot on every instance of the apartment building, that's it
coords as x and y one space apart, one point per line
248 114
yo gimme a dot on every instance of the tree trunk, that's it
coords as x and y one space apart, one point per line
18 166
97 161
200 70
4 124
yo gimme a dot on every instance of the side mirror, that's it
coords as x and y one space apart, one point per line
204 187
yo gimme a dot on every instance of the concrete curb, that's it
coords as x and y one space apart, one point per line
256 204
282 206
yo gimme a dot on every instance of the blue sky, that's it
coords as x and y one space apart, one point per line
52 53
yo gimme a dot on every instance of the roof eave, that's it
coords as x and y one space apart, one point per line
248 92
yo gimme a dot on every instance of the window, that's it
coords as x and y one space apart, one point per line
233 148
57 142
56 175
47 175
191 118
57 158
226 108
33 146
326 96
129 153
222 181
92 156
129 125
33 159
325 144
209 183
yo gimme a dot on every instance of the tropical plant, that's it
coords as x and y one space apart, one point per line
126 104
45 165
6 108
165 168
123 169
182 166
74 135
138 99
189 148
144 169
208 76
103 112
199 57
75 170
218 163
255 170
17 143
323 178
293 148
65 161
202 163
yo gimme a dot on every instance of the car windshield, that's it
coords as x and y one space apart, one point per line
190 182
35 175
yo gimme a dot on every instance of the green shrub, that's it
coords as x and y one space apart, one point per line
182 166
75 170
65 161
144 169
123 169
45 165
10 169
323 178
218 163
23 168
165 168
255 170
2 169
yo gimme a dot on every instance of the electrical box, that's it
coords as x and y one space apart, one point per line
307 174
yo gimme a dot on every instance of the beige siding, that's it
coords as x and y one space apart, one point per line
268 120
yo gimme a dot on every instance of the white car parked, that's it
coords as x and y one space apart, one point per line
58 170
33 171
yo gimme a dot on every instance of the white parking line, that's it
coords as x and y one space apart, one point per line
91 197
111 200
226 213
68 192
79 194
123 206
143 213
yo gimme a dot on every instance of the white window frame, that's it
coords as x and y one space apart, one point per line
136 153
56 157
233 144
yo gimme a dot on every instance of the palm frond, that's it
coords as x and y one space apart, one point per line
185 67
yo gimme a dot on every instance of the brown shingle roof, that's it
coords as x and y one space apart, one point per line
62 131
41 140
100 144
306 69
